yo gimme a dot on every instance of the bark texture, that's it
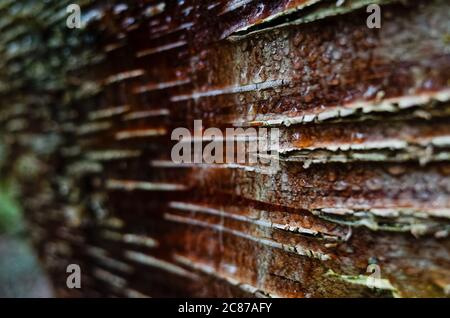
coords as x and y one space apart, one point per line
364 117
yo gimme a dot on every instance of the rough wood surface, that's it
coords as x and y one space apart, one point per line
364 119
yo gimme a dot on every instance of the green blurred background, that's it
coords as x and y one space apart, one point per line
20 272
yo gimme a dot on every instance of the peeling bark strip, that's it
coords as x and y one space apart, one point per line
364 149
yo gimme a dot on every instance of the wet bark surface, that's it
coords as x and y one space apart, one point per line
363 180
